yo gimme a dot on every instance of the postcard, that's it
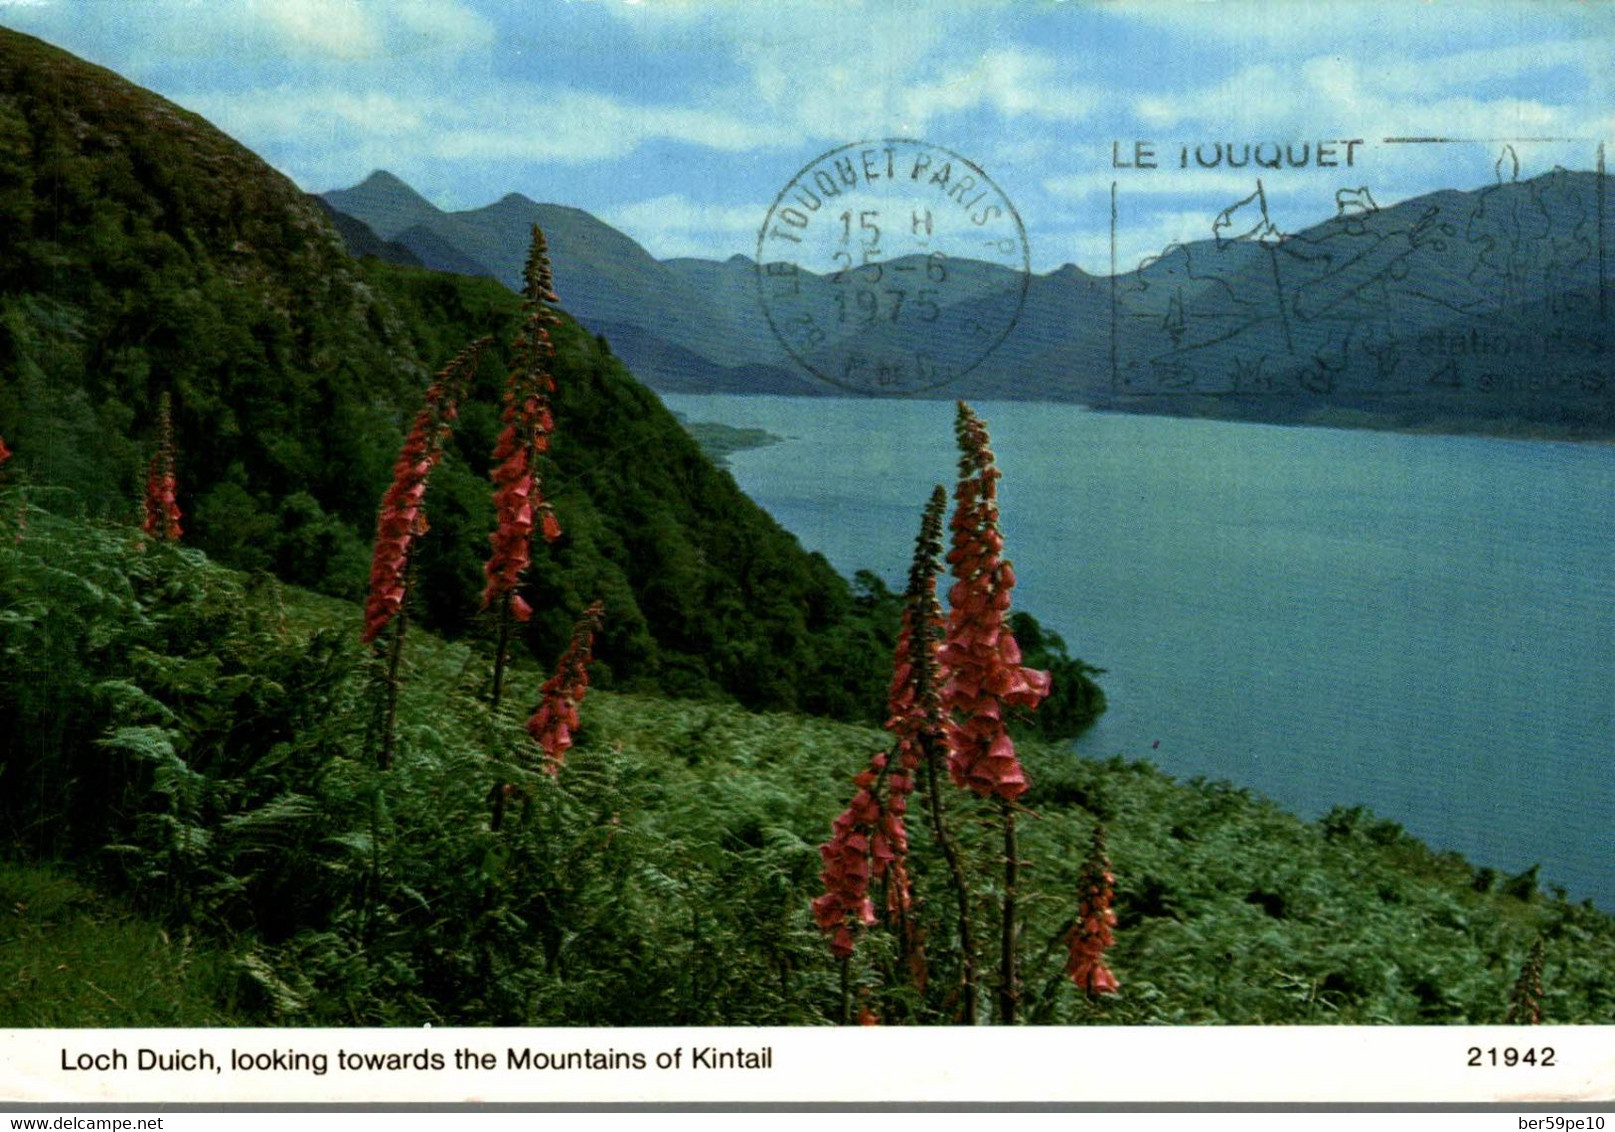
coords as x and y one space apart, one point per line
615 551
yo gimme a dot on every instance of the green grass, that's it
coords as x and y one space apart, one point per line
72 957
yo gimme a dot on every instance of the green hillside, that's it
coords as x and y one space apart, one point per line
201 745
142 251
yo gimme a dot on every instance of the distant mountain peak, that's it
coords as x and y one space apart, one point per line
384 202
382 183
380 178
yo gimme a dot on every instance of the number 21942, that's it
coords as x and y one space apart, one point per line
1509 1056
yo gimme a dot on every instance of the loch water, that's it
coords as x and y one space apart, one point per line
1423 625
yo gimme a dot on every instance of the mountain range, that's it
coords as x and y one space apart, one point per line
1481 310
683 324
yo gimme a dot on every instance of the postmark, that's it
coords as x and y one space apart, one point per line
1495 289
891 267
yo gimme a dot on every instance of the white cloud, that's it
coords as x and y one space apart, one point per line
674 225
361 30
1250 96
1423 76
1013 81
340 29
869 68
575 126
1399 97
1347 97
1288 27
438 24
289 113
515 123
836 74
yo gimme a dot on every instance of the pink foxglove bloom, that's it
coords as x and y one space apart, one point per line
864 841
518 496
1525 1000
402 517
1092 933
869 841
22 507
981 657
556 717
162 520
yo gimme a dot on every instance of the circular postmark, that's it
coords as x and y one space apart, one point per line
891 267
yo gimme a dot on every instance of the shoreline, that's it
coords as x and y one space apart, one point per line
720 441
1344 419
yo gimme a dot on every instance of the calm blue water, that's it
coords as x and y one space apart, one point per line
1423 625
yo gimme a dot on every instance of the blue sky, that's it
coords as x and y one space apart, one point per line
679 120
